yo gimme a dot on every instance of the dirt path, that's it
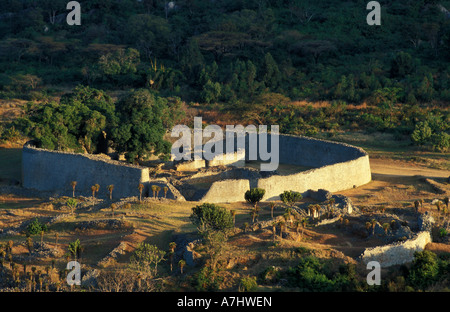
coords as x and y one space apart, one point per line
389 167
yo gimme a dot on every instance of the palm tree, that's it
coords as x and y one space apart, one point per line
141 188
165 189
93 189
272 207
416 205
110 190
374 223
282 225
181 264
245 226
158 189
30 244
274 230
386 227
438 205
172 247
10 245
75 249
296 225
113 206
253 214
304 223
42 238
368 226
289 214
233 214
154 190
312 209
74 185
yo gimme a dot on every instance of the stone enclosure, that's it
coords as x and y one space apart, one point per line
313 164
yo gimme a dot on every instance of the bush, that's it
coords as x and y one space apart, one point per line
309 276
425 269
146 258
207 280
248 283
441 142
36 227
211 217
422 133
290 197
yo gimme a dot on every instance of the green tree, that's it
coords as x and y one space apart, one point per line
110 190
290 197
72 204
211 92
209 217
254 196
425 269
402 64
145 259
35 227
149 34
422 133
141 188
140 131
75 249
74 185
271 75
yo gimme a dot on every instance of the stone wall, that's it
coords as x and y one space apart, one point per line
397 253
226 191
333 178
337 167
53 171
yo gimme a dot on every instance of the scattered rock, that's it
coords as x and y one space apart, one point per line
89 279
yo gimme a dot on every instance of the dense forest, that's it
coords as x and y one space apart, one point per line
253 60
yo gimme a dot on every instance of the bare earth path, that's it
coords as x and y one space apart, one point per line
389 167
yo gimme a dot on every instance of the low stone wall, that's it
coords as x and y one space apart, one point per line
226 191
191 165
236 159
397 253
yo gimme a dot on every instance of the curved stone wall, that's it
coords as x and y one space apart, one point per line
397 253
337 167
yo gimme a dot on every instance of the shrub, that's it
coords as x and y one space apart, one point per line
290 197
207 279
36 227
248 283
441 142
422 133
146 258
425 269
211 217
